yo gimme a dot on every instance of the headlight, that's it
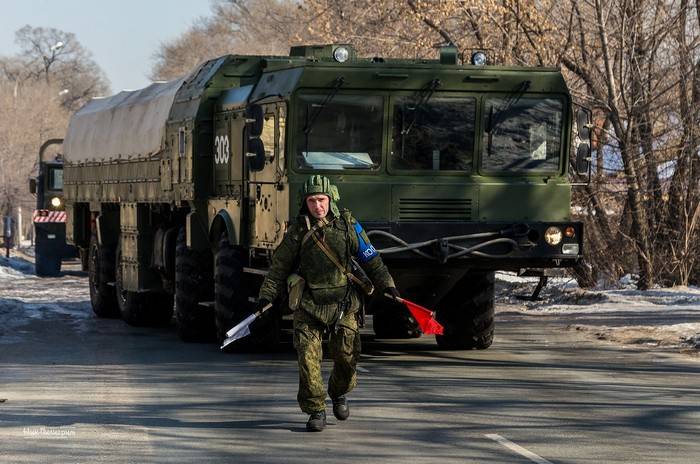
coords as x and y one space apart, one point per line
55 202
553 235
479 58
341 54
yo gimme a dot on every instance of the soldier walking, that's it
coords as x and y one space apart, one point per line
315 261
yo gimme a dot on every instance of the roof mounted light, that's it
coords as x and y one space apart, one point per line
479 59
341 54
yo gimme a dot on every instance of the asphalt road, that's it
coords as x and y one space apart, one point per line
76 389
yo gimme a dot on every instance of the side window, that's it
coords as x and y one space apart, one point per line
268 136
281 127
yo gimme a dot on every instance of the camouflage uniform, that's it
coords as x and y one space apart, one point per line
327 294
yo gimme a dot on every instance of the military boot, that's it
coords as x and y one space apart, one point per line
341 410
317 422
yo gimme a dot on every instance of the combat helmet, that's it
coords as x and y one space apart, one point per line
317 184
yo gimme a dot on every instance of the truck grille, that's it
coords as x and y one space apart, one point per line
432 209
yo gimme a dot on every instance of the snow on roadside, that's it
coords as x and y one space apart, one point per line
661 317
15 268
26 298
668 317
563 294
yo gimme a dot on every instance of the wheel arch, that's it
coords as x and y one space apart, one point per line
222 223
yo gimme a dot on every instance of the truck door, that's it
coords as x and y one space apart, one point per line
228 147
268 193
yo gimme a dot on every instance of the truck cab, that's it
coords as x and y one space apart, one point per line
49 217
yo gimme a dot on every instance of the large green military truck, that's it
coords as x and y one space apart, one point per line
181 191
49 218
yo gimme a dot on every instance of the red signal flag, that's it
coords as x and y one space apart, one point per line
425 317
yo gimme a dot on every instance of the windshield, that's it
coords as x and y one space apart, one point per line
437 135
524 135
346 133
56 179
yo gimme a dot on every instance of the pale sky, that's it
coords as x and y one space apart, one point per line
122 35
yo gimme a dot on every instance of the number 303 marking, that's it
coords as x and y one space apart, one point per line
223 152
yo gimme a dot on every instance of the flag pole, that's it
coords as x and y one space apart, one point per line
242 329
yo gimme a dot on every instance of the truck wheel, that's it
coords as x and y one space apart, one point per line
140 309
231 297
467 313
47 264
392 320
101 275
193 284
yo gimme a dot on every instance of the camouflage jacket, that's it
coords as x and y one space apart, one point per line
326 286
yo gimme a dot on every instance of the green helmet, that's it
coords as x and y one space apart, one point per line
316 185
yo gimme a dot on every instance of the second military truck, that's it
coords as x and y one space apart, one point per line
49 218
181 191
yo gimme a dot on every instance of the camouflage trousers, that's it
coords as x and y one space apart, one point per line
344 349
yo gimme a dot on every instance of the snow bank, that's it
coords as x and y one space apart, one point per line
662 317
563 294
26 299
14 268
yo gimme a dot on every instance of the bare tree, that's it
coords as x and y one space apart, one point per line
57 57
207 38
52 75
33 115
636 63
264 27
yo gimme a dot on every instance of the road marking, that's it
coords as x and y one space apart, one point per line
362 369
517 448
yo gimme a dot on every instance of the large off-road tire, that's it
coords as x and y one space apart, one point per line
393 320
231 301
467 313
194 283
141 308
46 263
101 277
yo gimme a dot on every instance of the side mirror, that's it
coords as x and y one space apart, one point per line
583 158
255 154
32 186
254 120
583 124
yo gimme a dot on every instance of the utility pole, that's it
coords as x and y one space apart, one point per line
20 235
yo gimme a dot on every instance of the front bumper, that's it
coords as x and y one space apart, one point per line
496 246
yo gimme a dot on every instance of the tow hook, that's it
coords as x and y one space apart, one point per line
443 250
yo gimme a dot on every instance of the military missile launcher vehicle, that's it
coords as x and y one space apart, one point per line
181 191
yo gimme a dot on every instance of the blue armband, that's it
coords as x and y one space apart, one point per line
366 251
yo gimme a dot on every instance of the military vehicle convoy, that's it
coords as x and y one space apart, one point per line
49 218
181 191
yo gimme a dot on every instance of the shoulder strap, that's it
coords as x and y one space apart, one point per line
312 230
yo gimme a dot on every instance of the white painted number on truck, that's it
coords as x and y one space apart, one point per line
223 151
